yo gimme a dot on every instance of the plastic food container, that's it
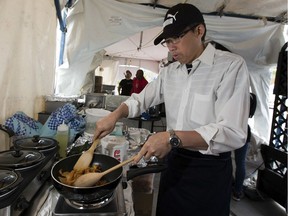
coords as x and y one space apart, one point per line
115 146
92 116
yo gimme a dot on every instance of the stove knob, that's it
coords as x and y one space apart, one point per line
43 175
22 203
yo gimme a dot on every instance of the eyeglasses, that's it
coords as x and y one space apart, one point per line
176 39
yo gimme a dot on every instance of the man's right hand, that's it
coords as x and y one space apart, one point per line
106 125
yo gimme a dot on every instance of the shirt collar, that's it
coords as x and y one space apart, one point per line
206 57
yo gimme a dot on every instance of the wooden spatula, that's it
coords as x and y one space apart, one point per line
86 158
90 179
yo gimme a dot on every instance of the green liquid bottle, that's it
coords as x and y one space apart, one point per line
62 136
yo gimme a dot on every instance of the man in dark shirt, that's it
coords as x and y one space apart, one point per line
126 84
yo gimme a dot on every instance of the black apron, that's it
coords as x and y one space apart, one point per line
195 185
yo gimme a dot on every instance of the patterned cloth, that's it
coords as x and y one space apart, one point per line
67 114
25 126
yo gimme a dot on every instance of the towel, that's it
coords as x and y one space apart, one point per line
25 126
67 114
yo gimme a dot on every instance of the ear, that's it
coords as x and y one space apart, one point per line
200 30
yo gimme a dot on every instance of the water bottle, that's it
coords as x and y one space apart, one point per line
62 136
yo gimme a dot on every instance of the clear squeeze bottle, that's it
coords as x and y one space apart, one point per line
62 136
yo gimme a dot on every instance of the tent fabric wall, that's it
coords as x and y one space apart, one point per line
27 57
93 25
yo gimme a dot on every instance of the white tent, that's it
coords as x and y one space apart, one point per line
98 24
29 48
94 25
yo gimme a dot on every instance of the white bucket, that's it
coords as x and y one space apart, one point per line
92 116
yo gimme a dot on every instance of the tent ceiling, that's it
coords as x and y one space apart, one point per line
142 47
139 47
267 8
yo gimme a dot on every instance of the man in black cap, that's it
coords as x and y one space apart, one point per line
206 97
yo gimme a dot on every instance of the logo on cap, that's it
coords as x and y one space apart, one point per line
170 19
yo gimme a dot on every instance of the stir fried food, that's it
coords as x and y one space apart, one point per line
70 177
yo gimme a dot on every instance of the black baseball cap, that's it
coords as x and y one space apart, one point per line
177 19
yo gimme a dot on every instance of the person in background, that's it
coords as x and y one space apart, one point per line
125 85
139 82
240 157
206 97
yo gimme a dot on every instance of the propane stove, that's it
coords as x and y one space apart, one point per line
113 205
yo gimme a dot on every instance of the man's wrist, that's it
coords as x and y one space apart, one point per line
174 140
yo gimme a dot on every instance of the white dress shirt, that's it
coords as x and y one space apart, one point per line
213 99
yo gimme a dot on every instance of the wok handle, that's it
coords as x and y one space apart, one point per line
134 172
7 130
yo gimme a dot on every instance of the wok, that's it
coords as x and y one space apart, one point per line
95 194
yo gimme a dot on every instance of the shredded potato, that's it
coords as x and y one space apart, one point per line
69 178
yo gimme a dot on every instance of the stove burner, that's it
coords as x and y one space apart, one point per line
95 205
114 206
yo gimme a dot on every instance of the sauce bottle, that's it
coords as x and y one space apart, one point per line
62 136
